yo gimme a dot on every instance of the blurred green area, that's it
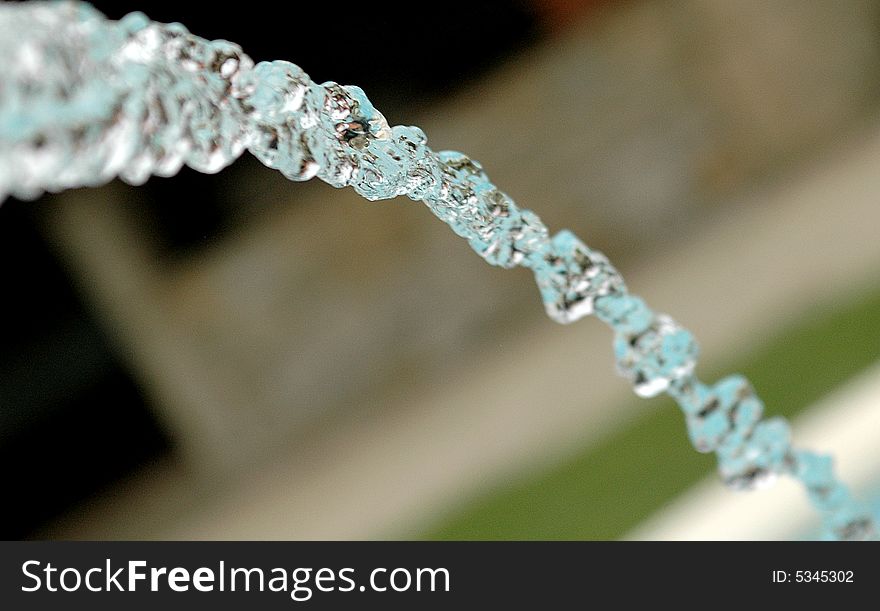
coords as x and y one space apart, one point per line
609 487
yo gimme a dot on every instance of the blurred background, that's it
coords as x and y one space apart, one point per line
238 356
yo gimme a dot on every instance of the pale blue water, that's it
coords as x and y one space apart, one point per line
872 499
85 99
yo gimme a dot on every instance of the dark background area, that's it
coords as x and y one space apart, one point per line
72 420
